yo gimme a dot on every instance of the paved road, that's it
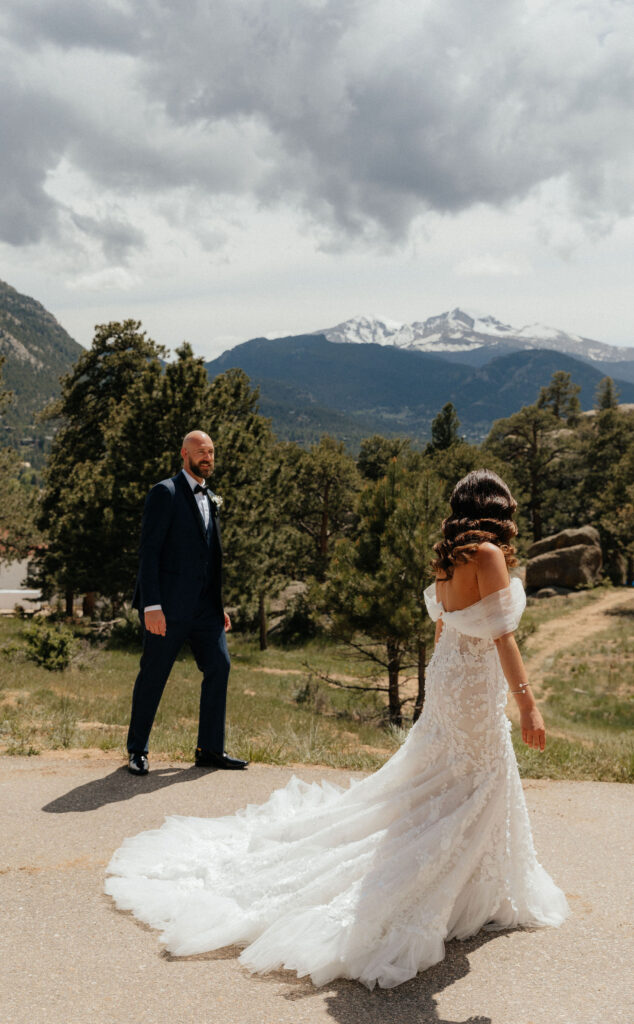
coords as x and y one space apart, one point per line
69 958
13 588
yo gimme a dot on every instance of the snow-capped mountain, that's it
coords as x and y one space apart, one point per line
458 331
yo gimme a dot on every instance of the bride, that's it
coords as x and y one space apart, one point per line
368 882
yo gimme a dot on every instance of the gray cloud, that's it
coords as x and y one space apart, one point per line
364 112
116 236
103 26
32 140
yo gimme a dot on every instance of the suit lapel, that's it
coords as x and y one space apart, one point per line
193 504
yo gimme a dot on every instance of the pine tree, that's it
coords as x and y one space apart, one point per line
376 453
606 491
374 586
320 487
535 446
607 396
561 396
82 508
444 428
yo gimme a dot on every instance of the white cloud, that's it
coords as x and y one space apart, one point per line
109 279
487 264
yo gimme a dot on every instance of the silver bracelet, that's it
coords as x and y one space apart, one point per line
523 688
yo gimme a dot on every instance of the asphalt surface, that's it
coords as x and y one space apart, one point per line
13 589
68 957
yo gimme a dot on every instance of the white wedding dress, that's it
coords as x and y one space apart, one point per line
369 881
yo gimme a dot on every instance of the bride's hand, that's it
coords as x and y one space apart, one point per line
533 732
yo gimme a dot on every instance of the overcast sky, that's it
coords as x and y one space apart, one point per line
223 169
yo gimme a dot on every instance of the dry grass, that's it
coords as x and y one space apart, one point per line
277 711
280 712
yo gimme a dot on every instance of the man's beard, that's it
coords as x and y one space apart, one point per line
197 470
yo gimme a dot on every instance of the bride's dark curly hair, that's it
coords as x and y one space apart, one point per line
482 509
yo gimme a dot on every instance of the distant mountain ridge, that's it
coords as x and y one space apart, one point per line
364 376
37 351
457 331
310 385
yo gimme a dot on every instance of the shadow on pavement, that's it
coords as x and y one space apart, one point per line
120 785
349 1002
414 1001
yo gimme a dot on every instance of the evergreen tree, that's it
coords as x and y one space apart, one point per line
83 508
374 586
444 428
124 417
561 396
376 453
606 495
320 488
535 446
261 545
607 396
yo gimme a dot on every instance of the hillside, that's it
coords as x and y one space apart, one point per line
310 383
37 351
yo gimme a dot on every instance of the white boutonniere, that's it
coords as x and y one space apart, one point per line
216 502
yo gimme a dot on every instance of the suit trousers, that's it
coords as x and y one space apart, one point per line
205 632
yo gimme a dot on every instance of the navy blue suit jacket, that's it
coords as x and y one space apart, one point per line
178 564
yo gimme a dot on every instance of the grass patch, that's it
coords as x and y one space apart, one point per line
278 711
281 712
588 705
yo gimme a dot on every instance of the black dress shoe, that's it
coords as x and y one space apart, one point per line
208 759
138 764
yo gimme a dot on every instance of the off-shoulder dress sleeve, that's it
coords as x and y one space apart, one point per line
492 617
503 609
434 607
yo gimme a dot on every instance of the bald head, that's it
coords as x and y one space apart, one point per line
198 454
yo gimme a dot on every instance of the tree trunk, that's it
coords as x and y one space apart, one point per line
536 510
393 668
323 533
263 622
88 604
420 697
69 598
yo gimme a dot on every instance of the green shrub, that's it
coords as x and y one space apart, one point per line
299 623
51 646
126 633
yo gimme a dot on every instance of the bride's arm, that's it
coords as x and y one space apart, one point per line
531 721
492 575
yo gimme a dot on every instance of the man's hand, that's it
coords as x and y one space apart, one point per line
155 622
227 623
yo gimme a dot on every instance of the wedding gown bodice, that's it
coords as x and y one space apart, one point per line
368 881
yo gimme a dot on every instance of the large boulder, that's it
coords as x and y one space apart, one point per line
571 558
566 539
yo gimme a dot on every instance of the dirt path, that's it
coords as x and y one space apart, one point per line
566 631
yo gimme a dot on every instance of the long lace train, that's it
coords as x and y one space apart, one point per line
365 882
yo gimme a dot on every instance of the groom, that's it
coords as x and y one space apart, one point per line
178 595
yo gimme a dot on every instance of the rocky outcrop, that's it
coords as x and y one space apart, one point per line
571 558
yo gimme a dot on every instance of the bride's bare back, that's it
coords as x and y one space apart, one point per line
485 573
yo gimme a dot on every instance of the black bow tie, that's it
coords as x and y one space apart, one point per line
198 489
